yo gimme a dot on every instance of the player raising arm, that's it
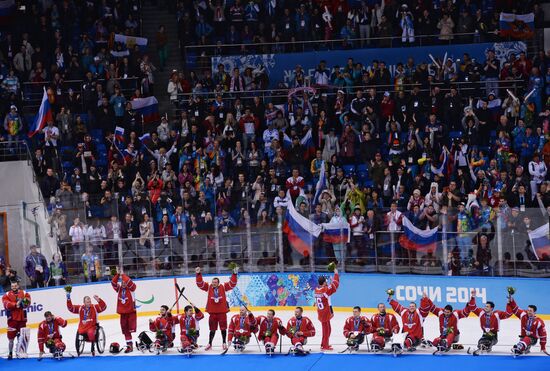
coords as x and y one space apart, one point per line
298 329
532 328
162 326
489 320
384 325
88 314
216 304
126 306
49 334
413 320
448 323
324 308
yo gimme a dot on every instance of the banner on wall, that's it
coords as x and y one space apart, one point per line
280 67
296 289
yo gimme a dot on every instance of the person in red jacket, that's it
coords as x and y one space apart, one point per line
241 327
448 322
216 304
295 184
356 328
189 327
126 306
298 329
162 327
413 319
324 308
489 320
532 328
88 314
15 302
49 334
269 328
384 325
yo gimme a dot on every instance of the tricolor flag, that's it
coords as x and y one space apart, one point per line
130 40
540 242
42 117
417 239
336 232
119 134
517 26
145 138
321 183
300 231
148 108
309 147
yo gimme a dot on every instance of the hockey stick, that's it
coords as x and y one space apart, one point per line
245 307
180 291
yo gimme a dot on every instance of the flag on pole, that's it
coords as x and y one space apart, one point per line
321 183
300 231
540 243
307 143
145 138
148 108
119 134
42 117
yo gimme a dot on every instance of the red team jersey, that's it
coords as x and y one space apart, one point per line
530 326
126 302
163 324
268 328
241 326
412 322
88 316
9 300
48 331
303 324
361 325
388 322
446 324
322 299
488 323
217 298
189 323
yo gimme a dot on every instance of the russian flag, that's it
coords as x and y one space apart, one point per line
540 242
300 231
307 142
119 134
145 138
336 232
148 108
321 184
518 26
417 239
42 117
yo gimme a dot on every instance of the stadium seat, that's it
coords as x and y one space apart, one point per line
349 170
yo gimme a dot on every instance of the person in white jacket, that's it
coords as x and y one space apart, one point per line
433 197
339 248
537 169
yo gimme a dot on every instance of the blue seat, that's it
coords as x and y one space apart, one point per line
96 133
101 162
363 168
367 183
455 134
349 170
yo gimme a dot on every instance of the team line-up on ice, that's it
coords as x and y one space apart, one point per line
386 333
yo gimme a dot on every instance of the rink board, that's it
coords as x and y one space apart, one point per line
286 290
312 362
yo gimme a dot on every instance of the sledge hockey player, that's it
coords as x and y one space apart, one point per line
15 302
162 327
384 325
298 329
49 335
356 328
269 328
189 328
88 314
241 327
532 328
324 309
216 304
489 320
412 319
126 306
448 323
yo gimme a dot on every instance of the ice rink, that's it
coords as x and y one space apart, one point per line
252 356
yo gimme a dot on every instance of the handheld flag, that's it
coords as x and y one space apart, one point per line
43 116
301 232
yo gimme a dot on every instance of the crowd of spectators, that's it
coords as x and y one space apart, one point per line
421 150
279 23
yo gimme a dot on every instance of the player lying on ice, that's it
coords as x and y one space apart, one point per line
448 323
50 335
298 329
356 328
532 327
189 328
241 327
269 328
413 320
